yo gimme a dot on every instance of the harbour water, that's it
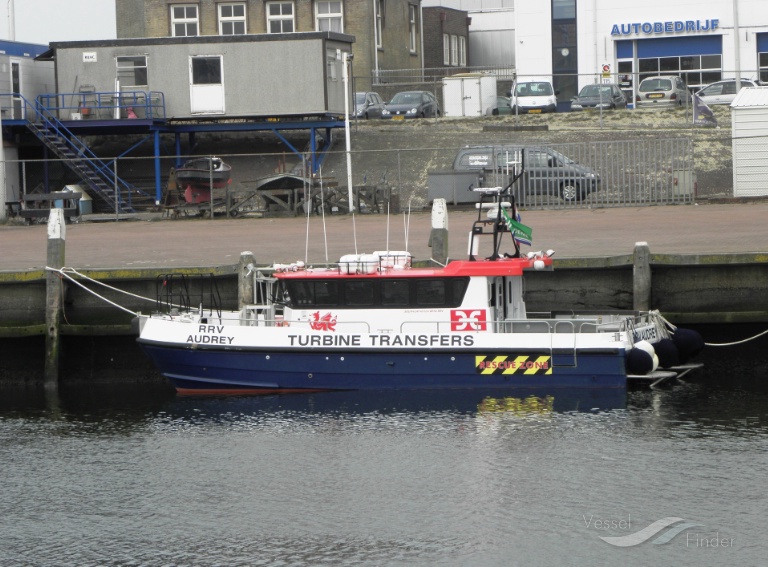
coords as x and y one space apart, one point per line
129 476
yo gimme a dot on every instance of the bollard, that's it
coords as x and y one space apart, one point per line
438 236
54 289
245 279
641 276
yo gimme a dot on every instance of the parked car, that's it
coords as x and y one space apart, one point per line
722 92
605 96
411 104
546 171
662 91
368 105
503 106
533 97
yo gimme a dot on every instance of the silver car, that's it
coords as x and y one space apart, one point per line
722 92
664 90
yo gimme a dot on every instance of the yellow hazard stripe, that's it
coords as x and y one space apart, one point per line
513 365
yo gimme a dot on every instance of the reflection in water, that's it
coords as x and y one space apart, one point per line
123 476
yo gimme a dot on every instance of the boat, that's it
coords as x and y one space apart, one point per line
381 321
197 176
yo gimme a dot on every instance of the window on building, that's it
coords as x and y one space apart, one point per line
332 64
206 70
412 33
762 59
232 19
184 20
454 50
446 49
565 48
695 70
462 51
329 17
280 17
379 21
132 71
563 9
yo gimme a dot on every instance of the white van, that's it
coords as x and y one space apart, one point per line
533 97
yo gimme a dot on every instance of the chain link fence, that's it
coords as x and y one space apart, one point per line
653 161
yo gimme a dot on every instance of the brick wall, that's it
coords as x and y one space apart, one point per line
359 21
129 21
439 21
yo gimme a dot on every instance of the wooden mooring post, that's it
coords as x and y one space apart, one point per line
641 276
54 289
438 236
245 279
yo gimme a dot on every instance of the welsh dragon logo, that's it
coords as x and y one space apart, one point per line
326 322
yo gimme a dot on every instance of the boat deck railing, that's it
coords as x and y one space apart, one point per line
184 293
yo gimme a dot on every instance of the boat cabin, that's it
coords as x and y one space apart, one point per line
464 295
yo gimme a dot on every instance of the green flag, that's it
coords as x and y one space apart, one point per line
521 233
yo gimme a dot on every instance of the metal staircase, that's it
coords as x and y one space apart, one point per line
101 182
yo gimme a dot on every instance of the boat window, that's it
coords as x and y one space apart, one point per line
364 292
430 292
395 292
301 294
459 288
359 292
312 293
326 293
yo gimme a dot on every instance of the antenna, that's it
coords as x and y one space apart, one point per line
387 226
307 204
322 206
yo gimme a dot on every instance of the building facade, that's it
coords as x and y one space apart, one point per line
446 41
490 31
577 43
388 33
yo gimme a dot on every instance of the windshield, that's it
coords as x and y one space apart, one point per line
595 91
359 99
561 157
650 85
406 98
534 89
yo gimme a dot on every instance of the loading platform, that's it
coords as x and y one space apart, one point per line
60 121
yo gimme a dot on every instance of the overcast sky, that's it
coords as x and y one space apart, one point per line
44 21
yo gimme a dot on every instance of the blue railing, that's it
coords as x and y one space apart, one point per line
123 105
40 115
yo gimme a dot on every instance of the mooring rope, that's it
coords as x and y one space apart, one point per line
65 272
734 343
739 342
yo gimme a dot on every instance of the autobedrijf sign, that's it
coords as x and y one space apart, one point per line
676 26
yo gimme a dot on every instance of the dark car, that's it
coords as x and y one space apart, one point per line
368 105
547 172
411 104
606 96
503 106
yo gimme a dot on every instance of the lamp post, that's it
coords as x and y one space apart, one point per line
346 58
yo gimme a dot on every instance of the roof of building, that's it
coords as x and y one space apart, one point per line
751 97
21 49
